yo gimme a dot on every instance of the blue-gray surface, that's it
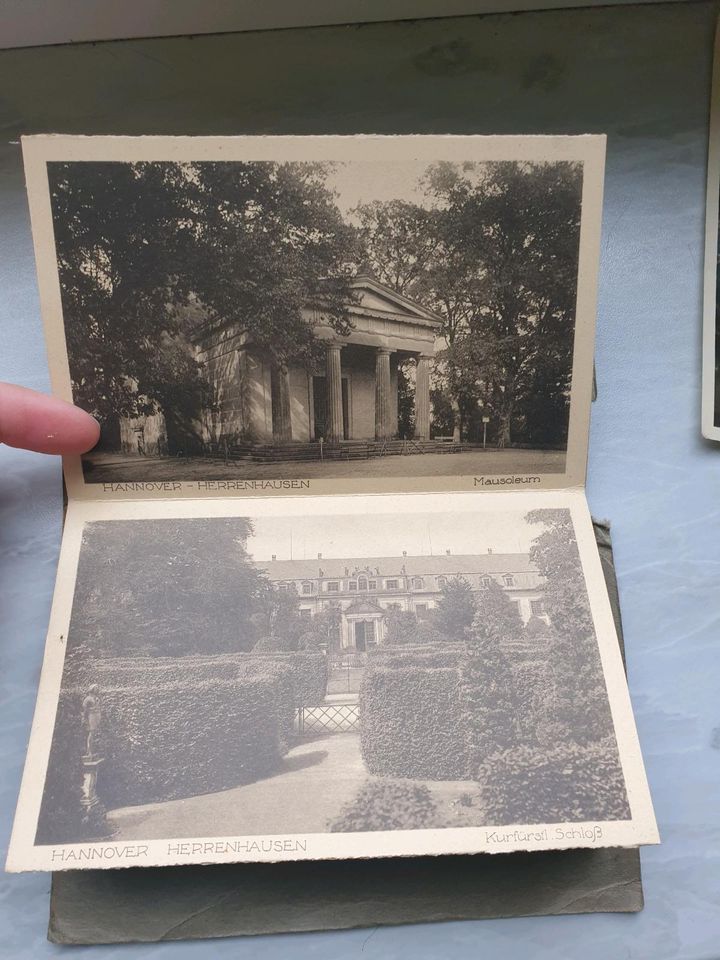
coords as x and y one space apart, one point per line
643 76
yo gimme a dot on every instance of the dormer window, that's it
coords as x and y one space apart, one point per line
307 588
509 580
418 583
442 582
362 583
485 582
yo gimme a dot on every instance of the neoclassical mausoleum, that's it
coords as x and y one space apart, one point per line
366 588
353 396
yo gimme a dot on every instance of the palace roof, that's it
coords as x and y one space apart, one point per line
448 565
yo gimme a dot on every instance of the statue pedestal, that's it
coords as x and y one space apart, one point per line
93 812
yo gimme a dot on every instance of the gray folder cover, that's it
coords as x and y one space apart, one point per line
173 903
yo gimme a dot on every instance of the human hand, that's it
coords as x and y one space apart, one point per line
35 421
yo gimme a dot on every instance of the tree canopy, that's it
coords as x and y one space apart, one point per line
582 703
149 251
455 609
277 618
496 618
555 554
166 588
497 259
144 249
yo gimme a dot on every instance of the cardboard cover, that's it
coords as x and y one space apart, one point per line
173 903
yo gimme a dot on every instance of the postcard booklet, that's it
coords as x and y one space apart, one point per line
328 585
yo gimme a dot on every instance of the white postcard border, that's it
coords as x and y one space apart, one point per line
588 149
640 829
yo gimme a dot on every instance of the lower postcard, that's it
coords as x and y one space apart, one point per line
330 678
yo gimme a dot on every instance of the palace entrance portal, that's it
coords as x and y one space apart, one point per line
364 635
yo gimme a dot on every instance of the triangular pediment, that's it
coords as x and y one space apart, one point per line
363 607
374 295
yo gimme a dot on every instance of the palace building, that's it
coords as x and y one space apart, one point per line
366 588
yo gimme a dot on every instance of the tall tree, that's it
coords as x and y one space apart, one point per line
455 609
271 243
401 241
124 248
165 588
147 251
555 554
488 686
493 250
497 618
582 702
401 627
277 619
517 229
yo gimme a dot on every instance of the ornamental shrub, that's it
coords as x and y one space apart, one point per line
568 783
164 741
420 655
308 670
388 805
179 740
411 721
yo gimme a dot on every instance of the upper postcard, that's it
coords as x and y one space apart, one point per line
320 314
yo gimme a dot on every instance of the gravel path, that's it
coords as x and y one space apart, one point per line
316 779
113 468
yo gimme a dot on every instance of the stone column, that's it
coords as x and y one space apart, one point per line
383 418
422 398
333 375
280 399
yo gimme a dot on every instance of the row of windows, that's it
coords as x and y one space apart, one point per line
537 609
364 584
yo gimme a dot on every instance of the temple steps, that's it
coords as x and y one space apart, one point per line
347 450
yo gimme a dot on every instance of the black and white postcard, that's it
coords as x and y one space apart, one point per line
320 314
417 656
328 678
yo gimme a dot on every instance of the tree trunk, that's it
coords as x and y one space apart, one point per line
505 436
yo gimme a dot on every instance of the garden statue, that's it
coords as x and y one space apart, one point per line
91 715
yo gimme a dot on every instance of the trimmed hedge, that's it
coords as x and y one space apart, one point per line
421 655
164 741
412 722
411 729
140 671
175 726
489 712
388 805
309 673
171 741
570 783
307 670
